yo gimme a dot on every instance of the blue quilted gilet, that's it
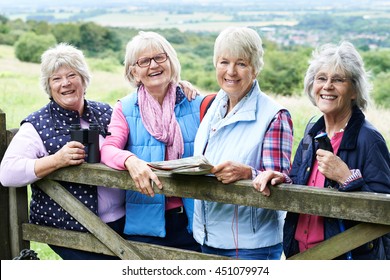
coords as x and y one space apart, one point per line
146 215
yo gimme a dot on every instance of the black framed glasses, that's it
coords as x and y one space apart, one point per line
145 61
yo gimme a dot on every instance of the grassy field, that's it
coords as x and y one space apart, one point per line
20 94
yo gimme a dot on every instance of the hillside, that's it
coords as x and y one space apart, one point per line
20 94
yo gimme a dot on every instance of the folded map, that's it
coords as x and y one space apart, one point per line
196 165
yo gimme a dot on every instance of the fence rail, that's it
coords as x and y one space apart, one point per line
369 208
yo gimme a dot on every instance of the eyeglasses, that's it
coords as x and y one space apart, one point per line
145 61
337 81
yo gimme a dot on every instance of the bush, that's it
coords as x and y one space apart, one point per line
381 91
30 46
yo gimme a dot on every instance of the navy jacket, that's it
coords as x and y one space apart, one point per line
363 148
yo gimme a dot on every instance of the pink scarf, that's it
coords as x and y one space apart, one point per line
160 121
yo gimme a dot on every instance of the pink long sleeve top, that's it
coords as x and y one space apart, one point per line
113 153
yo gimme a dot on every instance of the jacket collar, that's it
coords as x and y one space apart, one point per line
351 132
245 110
180 96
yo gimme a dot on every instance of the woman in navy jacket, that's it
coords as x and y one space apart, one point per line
356 160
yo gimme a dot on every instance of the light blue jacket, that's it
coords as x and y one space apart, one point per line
237 137
146 215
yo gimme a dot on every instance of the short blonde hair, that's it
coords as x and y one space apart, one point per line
61 55
240 42
154 41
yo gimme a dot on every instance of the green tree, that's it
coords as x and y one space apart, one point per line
30 46
381 91
3 19
96 39
377 61
283 71
39 27
67 32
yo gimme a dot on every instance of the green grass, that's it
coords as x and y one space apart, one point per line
20 94
44 252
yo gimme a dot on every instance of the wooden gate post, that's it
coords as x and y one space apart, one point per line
5 251
13 206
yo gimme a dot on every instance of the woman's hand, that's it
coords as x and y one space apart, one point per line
143 177
262 180
189 91
70 154
230 172
332 167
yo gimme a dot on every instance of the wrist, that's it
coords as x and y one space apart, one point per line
287 179
128 160
355 174
254 173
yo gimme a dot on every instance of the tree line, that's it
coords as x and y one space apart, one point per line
282 74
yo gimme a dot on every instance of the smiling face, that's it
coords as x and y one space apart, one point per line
234 75
333 93
155 77
67 89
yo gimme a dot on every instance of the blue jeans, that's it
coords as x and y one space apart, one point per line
73 254
266 253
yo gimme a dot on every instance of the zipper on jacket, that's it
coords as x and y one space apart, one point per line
253 216
204 220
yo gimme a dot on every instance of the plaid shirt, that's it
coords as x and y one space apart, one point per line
277 145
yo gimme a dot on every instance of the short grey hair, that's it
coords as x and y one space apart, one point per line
240 42
61 55
146 41
342 58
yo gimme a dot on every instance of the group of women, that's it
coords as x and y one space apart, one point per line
160 121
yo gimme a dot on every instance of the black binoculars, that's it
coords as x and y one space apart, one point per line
89 138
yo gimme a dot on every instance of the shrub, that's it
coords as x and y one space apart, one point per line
381 89
30 46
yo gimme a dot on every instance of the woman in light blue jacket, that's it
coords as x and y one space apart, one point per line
243 133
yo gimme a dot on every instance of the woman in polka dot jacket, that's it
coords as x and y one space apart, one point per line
43 145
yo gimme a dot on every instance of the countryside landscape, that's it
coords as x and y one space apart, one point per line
290 32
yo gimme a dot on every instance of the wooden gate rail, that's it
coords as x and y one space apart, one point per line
358 206
101 232
88 242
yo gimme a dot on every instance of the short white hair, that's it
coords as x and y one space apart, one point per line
154 41
342 58
240 42
61 55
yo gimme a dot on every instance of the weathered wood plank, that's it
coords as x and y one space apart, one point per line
92 222
87 242
14 210
5 252
18 209
343 242
359 206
